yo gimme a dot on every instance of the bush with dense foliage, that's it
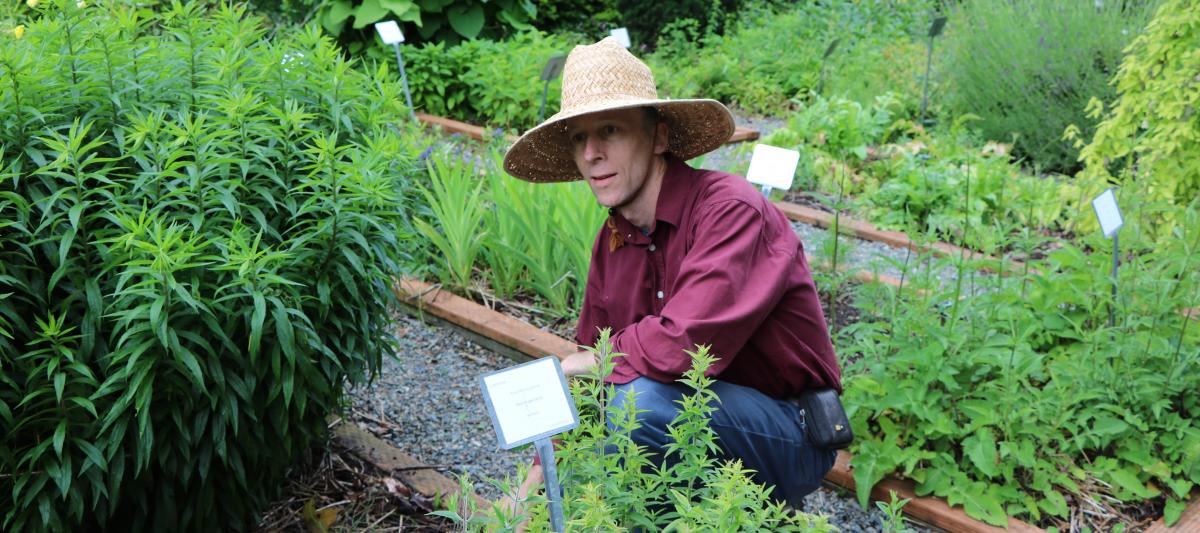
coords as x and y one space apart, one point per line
1152 129
495 83
585 17
448 21
198 227
1028 68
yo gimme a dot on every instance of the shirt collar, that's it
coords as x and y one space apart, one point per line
669 206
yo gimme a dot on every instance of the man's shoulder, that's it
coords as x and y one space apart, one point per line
718 187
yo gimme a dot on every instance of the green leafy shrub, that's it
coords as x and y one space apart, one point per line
1028 68
621 489
198 228
449 21
1019 398
1152 127
584 17
497 83
646 20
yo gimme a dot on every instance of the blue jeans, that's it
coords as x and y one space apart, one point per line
768 435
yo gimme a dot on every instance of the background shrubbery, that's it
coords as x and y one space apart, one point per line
197 232
773 54
496 83
1028 68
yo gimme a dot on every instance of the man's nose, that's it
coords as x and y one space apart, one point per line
592 150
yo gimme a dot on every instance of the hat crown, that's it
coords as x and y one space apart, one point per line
604 72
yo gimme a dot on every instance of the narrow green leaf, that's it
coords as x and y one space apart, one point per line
93 453
60 435
60 383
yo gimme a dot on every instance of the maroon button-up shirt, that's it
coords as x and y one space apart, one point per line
722 266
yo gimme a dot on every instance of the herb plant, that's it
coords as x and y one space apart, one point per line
609 483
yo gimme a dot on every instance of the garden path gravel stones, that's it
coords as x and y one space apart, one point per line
427 403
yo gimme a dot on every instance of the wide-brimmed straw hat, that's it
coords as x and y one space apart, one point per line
602 77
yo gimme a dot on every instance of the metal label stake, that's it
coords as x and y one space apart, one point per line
530 402
553 68
390 32
1109 215
824 57
935 29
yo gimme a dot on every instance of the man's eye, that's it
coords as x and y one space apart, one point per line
610 129
577 138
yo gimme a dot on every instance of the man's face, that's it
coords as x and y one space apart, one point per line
614 150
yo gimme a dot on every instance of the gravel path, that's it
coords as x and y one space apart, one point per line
427 403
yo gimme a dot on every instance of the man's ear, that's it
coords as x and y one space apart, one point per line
661 136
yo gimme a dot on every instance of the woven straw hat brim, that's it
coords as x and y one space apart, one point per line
543 154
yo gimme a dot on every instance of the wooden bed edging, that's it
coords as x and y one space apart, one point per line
476 132
867 231
388 458
468 315
1188 523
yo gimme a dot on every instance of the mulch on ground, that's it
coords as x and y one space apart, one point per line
338 491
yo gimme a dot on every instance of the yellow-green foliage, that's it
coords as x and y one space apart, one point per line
1151 132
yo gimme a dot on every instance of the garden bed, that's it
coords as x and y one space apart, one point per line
468 315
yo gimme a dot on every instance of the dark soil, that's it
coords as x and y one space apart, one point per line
338 491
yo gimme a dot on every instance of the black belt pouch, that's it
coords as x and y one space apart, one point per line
828 426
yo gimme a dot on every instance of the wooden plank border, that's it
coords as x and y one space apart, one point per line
388 458
466 314
867 231
1188 523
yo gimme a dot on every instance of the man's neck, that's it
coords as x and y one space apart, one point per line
640 212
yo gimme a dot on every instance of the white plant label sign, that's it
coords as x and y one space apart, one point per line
622 36
773 166
1108 213
528 402
390 32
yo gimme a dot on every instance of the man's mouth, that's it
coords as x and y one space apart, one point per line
603 177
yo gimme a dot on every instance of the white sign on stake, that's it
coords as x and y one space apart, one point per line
390 32
528 402
1108 213
622 36
772 166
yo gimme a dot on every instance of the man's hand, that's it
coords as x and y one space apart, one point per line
579 363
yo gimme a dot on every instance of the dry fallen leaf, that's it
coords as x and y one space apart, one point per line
396 487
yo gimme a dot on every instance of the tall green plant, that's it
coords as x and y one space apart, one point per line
199 229
455 197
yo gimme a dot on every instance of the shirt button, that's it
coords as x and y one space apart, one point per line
660 295
652 248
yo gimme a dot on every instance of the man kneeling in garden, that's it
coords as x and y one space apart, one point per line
687 257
